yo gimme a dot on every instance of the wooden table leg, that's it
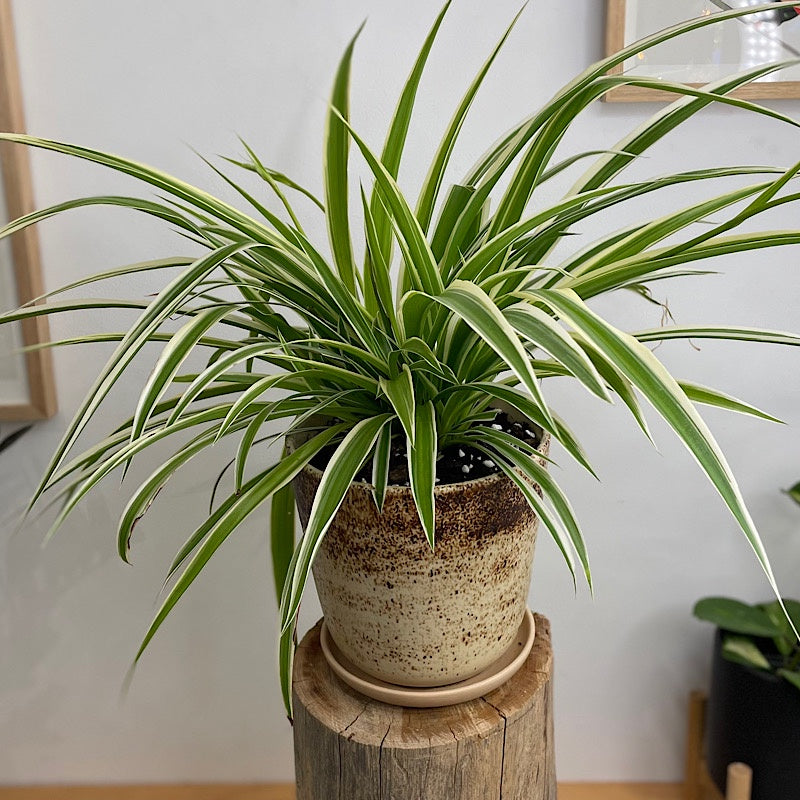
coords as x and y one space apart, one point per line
740 781
693 787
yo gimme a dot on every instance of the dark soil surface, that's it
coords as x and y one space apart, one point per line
454 465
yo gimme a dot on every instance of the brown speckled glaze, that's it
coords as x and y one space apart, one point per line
407 615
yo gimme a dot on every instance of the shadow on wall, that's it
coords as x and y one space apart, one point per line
32 585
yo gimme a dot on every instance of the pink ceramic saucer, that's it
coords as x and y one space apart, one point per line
494 675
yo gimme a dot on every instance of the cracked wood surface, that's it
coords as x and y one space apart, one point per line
497 747
222 791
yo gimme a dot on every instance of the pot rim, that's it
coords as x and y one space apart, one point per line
767 676
438 489
444 488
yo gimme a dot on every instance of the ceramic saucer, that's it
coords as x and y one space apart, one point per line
491 678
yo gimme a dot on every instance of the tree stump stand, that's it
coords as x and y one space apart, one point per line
497 747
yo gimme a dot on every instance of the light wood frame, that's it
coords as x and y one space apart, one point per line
16 184
698 784
615 41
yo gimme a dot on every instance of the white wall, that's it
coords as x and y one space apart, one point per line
142 79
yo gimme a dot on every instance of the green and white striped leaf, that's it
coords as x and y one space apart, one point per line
123 455
346 461
454 204
272 176
433 181
118 336
380 466
144 496
251 394
121 436
61 306
196 198
111 274
166 302
479 311
247 501
341 377
287 644
717 332
134 203
400 393
644 371
171 360
668 118
217 370
281 534
377 281
508 448
663 227
395 142
543 331
246 444
617 382
621 273
410 231
514 463
525 405
337 147
422 454
712 397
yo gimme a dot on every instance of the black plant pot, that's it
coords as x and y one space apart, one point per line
753 717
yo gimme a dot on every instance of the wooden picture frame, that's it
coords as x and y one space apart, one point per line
616 14
39 401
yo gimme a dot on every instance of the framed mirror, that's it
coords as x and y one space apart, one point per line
709 54
26 379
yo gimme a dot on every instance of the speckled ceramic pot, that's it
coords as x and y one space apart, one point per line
414 617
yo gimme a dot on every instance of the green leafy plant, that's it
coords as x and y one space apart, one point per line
745 627
452 309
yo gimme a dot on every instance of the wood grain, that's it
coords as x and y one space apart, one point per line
615 41
24 244
566 791
694 745
161 792
620 791
497 746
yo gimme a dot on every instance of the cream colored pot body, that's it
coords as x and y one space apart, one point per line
416 617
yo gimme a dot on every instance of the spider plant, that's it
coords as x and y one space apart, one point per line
453 309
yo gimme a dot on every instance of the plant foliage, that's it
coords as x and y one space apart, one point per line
453 308
745 627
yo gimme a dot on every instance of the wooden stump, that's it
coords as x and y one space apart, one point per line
498 747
